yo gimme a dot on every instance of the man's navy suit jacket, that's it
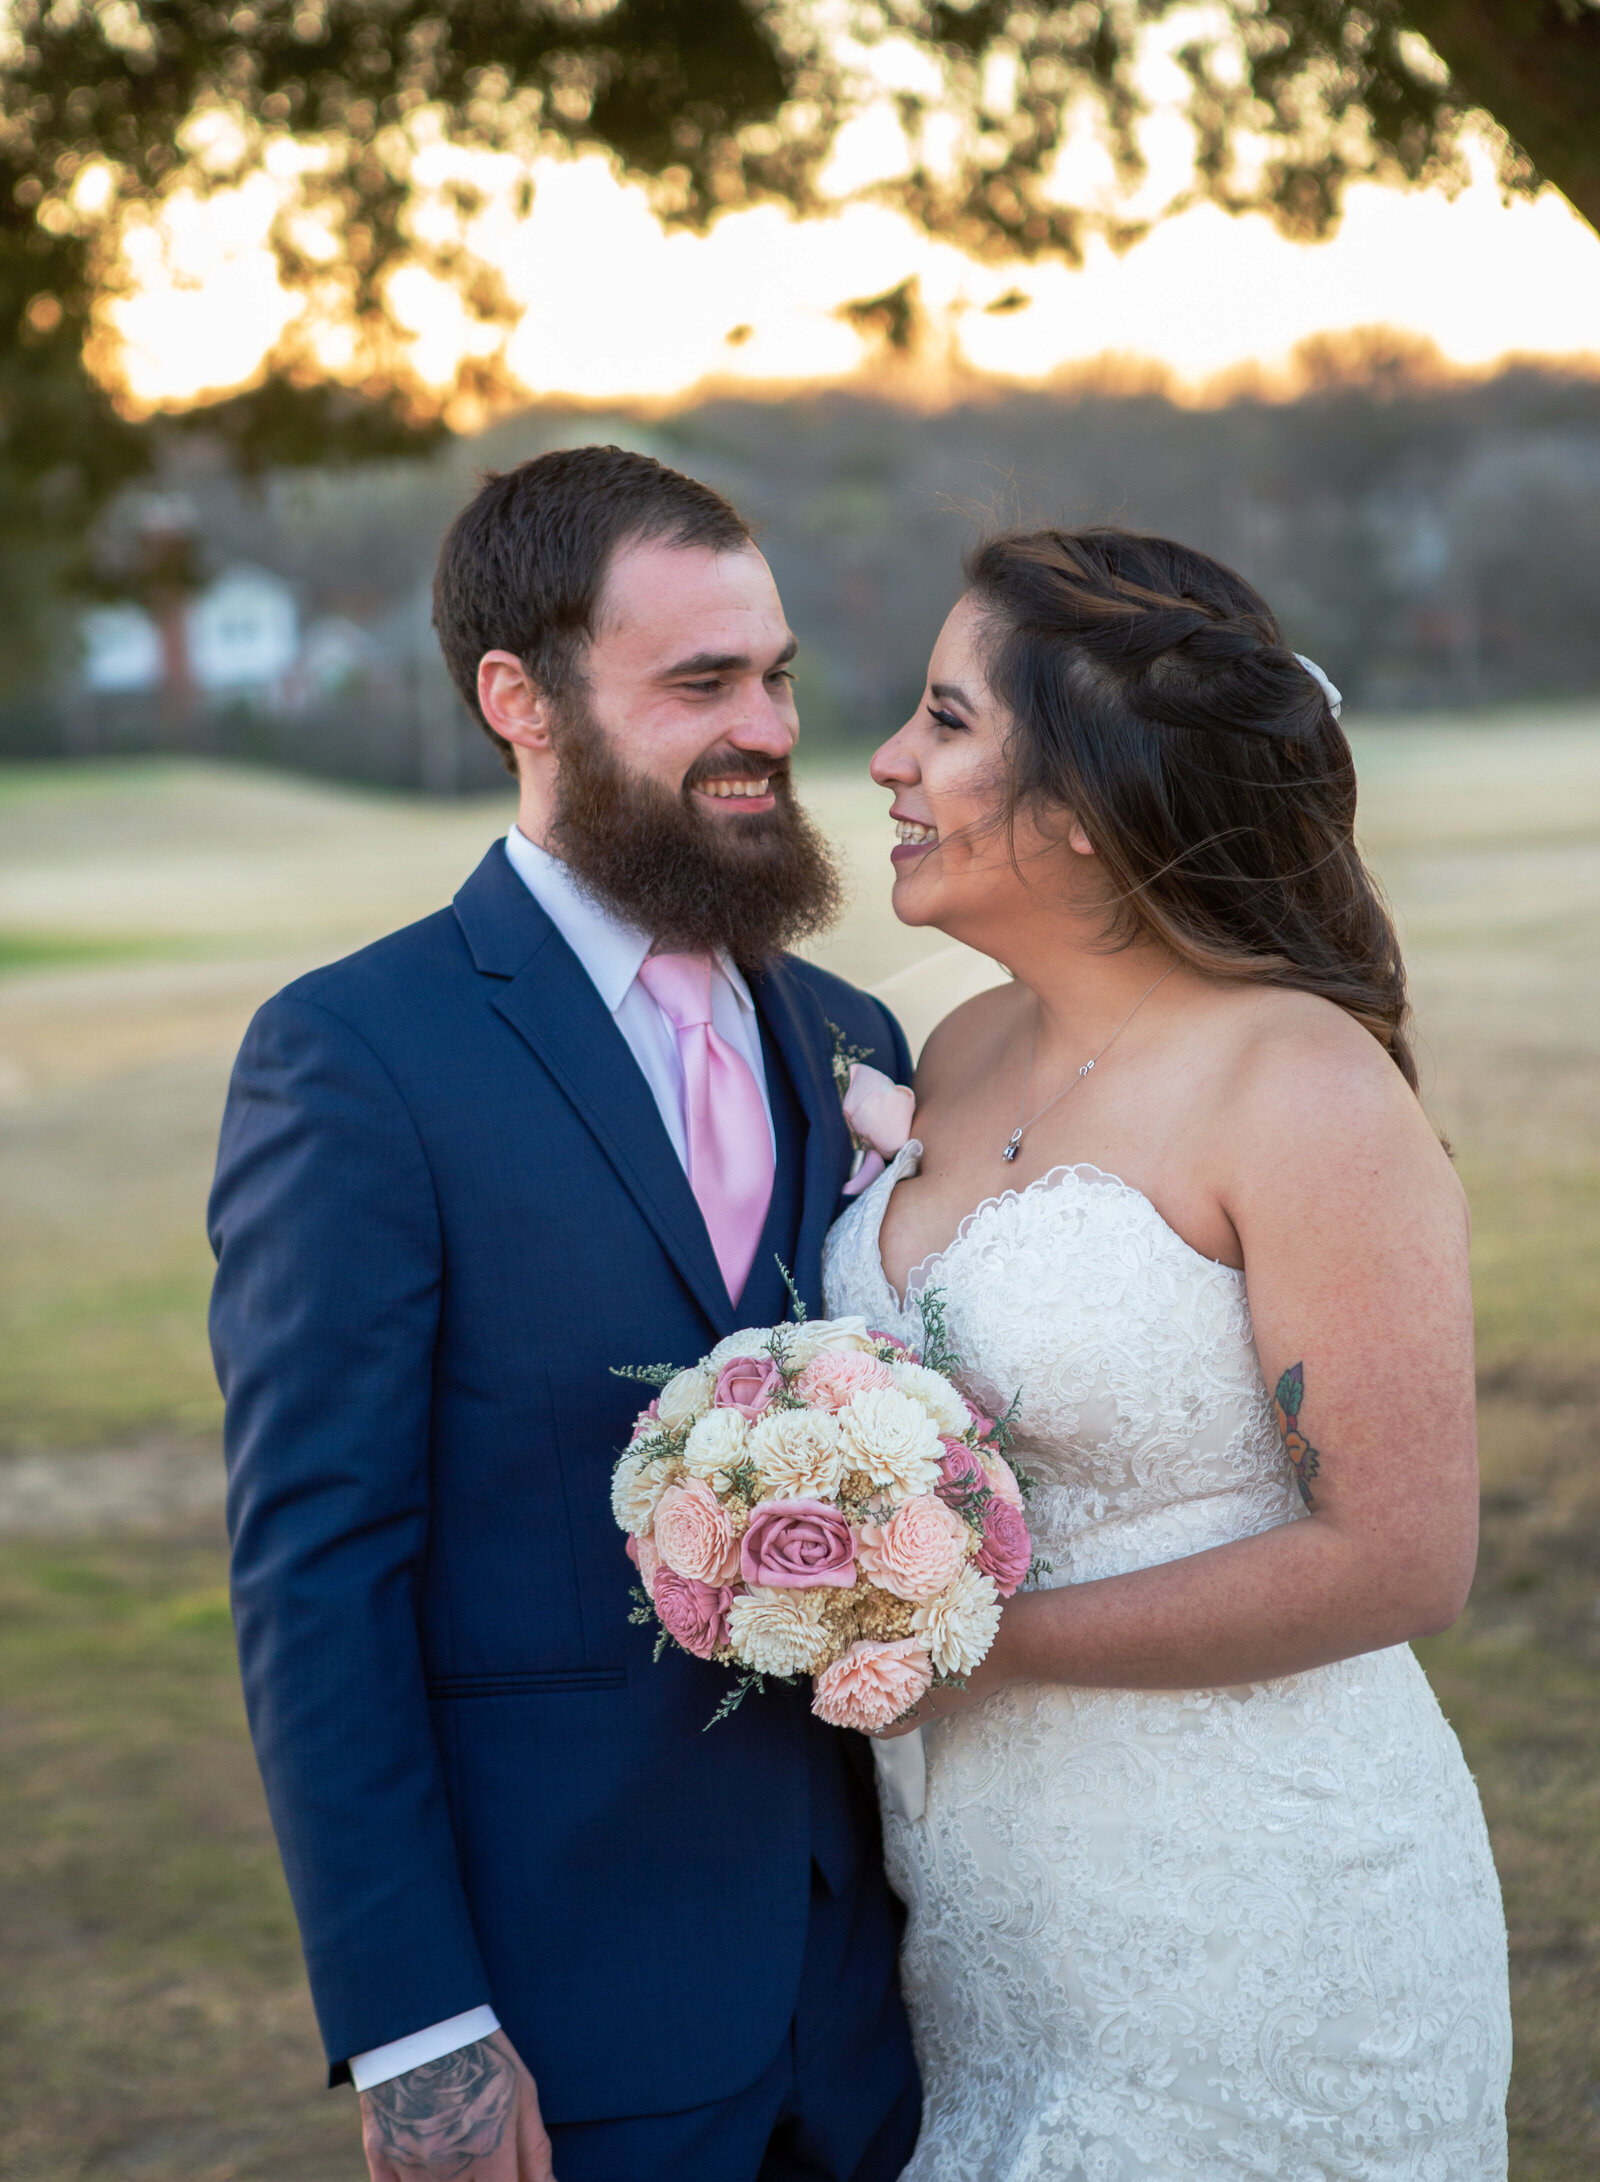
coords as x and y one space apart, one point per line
445 1207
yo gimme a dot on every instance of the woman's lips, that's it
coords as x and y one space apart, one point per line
914 839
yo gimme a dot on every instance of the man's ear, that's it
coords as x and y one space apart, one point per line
512 703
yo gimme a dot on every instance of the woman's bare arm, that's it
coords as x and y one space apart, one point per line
1354 1233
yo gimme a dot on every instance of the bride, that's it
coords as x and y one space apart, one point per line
1200 1887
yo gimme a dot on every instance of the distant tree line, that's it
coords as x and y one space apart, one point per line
1432 540
109 113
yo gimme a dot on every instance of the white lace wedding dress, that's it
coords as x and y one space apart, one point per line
1227 1933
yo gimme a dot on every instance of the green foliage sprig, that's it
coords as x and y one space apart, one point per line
653 1375
735 1697
938 1350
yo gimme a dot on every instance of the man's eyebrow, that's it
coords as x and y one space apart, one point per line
724 662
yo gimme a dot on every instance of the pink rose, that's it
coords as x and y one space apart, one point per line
695 1613
695 1534
872 1684
1003 1479
747 1384
795 1545
879 1112
1007 1550
916 1552
833 1380
961 1473
878 1109
985 1424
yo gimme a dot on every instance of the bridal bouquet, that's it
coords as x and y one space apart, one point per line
815 1498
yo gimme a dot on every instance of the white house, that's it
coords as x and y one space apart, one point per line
242 634
121 649
243 631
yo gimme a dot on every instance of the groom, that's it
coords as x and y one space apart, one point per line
574 1121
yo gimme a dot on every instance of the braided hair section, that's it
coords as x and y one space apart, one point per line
1153 699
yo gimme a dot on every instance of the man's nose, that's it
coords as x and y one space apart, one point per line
762 728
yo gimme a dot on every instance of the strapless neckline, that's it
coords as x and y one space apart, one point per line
908 1159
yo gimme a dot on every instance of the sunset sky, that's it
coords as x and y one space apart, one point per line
611 306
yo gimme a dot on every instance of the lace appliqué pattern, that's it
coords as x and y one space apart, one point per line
1218 1935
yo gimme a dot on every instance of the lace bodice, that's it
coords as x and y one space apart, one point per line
1247 1935
1144 1421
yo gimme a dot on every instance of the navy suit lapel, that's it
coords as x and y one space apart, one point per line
797 1026
547 997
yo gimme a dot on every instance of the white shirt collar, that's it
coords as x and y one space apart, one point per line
609 949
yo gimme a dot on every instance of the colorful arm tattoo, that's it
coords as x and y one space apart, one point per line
1303 1458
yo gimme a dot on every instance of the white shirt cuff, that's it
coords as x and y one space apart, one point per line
432 2044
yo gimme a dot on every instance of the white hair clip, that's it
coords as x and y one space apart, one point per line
1335 697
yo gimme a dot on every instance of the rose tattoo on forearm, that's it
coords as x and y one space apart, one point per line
447 2113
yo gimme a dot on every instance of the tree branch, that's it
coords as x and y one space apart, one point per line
1535 66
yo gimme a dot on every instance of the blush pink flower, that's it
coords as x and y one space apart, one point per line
916 1552
985 1424
961 1473
695 1534
1007 1550
642 1553
832 1380
1003 1479
872 1684
796 1545
879 1110
695 1613
747 1384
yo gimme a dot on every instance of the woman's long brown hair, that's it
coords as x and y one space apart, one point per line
1153 698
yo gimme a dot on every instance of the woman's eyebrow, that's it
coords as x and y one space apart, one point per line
951 693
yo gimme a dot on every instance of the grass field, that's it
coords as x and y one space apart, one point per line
152 2020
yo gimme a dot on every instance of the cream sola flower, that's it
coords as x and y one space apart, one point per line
686 1397
636 1488
827 1336
937 1396
892 1437
798 1454
718 1444
959 1626
778 1632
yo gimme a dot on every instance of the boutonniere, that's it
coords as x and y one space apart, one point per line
877 1110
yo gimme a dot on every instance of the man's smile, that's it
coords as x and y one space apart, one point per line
752 791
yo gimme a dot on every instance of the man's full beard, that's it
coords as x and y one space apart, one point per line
752 885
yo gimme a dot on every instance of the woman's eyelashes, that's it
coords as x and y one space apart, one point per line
947 720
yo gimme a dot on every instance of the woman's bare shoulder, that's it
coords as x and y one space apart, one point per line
1308 1085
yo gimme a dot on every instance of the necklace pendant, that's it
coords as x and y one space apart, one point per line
1010 1151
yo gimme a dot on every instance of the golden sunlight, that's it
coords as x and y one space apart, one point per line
611 306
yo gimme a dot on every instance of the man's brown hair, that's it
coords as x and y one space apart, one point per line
523 565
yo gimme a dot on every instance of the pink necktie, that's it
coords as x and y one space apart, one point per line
730 1144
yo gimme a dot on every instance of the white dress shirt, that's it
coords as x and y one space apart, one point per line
611 953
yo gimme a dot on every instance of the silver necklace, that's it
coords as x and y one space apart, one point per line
1015 1143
